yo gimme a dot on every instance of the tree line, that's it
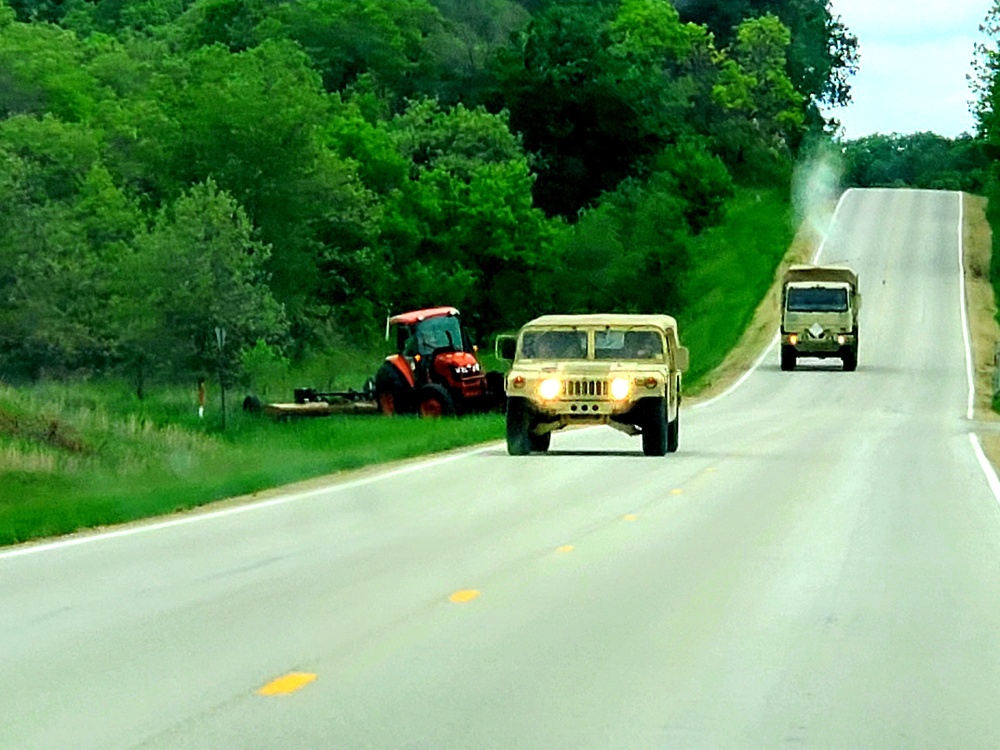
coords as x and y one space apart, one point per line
289 172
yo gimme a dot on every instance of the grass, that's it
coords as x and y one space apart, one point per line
733 267
82 455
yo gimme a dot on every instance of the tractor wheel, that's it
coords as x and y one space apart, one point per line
392 393
495 396
655 428
434 401
518 424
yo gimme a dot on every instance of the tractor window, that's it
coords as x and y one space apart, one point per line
817 299
622 344
438 333
554 345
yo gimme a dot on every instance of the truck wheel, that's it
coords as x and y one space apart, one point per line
655 428
674 434
787 358
518 435
434 402
540 443
392 393
850 359
495 395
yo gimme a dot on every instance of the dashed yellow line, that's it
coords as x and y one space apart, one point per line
630 517
287 684
566 548
678 491
465 595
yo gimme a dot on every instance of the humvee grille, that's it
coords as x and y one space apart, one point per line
576 388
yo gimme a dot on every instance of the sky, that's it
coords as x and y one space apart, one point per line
915 55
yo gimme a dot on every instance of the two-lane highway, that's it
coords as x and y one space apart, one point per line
817 567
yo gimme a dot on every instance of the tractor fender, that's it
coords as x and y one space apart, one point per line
399 362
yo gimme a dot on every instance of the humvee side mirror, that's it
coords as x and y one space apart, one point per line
857 301
683 358
506 347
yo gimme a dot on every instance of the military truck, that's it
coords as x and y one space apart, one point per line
819 315
618 370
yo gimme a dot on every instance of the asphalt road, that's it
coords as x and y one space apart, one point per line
818 567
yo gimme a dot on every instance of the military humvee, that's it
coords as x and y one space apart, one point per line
819 315
619 370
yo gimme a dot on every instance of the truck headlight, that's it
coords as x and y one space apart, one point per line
620 389
841 339
550 388
793 339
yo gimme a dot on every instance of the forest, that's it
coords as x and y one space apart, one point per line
291 172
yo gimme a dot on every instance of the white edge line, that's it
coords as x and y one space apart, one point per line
770 347
986 466
963 303
195 516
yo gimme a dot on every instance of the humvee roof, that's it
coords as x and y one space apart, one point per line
605 319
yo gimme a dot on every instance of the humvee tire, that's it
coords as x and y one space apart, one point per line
540 443
850 360
518 437
655 428
787 358
674 434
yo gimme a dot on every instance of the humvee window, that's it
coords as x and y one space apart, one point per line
554 345
620 344
817 299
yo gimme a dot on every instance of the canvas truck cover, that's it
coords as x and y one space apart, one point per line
802 273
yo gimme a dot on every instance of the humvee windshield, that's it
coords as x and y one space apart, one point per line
817 299
623 344
554 345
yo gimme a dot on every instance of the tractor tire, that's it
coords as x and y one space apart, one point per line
787 358
674 434
434 401
540 443
655 428
518 427
392 393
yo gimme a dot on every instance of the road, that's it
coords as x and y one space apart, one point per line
817 567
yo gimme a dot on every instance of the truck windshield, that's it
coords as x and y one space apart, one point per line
443 332
554 345
624 344
817 299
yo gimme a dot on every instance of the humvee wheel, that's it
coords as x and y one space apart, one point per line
674 434
655 428
518 437
787 358
540 443
850 360
434 401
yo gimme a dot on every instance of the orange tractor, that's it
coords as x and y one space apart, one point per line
435 370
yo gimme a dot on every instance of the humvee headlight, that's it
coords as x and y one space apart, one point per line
620 389
841 339
549 388
793 339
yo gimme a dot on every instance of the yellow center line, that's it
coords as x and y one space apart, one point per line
465 595
287 684
678 491
630 517
567 548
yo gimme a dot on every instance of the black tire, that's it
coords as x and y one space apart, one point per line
518 427
540 443
252 405
850 359
674 433
434 402
495 395
655 428
392 393
787 358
